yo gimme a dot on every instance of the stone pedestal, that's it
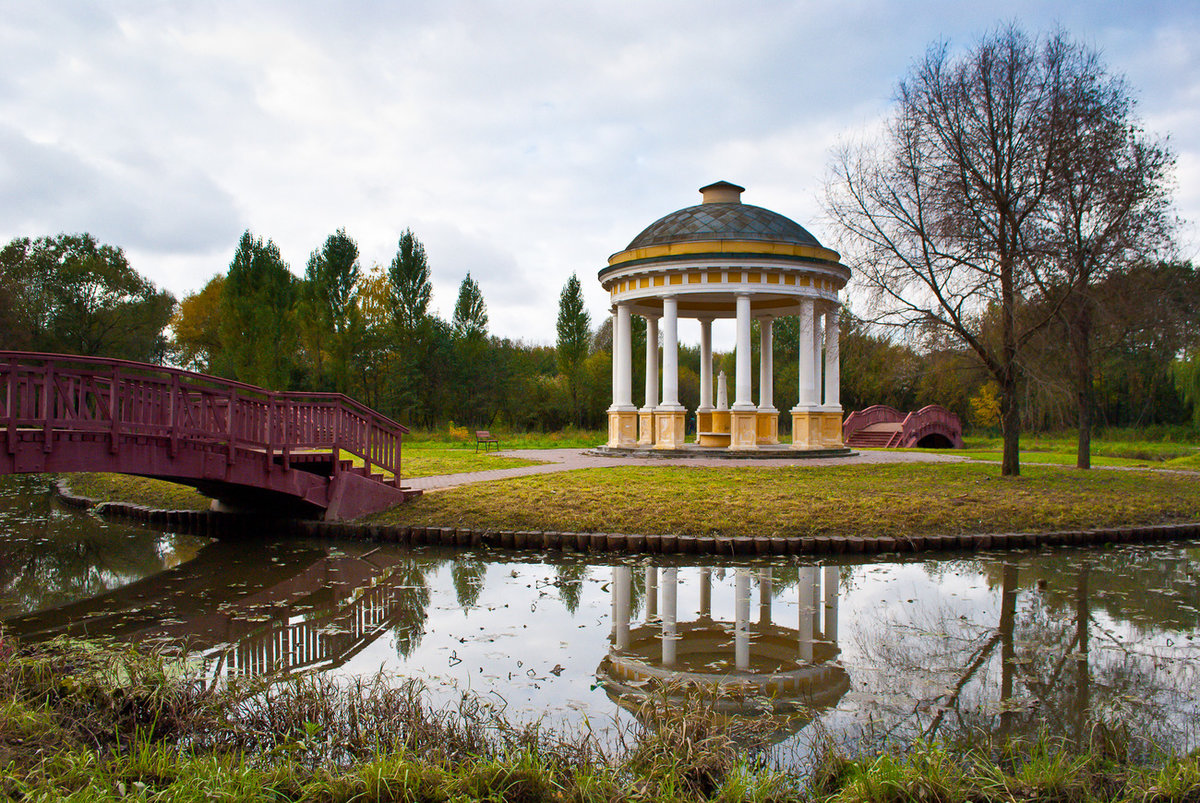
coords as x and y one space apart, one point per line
807 429
767 427
743 429
704 420
622 429
831 428
645 427
720 421
669 429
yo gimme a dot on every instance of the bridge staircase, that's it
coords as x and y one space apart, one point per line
882 427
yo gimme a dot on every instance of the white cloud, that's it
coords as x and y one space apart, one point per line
521 140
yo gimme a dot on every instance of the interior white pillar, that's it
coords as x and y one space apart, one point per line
624 396
743 394
670 589
706 375
766 365
670 379
807 367
741 626
833 389
651 363
621 585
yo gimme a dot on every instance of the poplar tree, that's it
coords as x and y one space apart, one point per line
574 338
411 286
258 327
335 321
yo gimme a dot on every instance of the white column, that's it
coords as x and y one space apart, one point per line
741 615
831 603
743 395
670 590
766 366
621 584
808 378
706 375
833 377
818 345
615 361
651 363
706 593
670 380
623 400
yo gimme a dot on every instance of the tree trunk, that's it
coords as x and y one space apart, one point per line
1010 424
1081 335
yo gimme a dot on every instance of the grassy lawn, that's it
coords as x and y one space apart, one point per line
461 438
1110 449
863 500
137 490
430 459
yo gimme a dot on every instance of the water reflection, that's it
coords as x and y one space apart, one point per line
755 667
1068 641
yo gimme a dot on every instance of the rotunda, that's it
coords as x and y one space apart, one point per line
725 259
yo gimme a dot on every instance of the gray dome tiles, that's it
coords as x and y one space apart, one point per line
723 221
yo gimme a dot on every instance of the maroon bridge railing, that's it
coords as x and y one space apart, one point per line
882 426
70 399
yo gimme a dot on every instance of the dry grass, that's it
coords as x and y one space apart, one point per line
138 490
846 500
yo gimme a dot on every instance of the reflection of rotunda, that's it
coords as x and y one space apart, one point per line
725 259
752 665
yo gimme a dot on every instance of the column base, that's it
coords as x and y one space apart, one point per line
622 428
720 421
645 427
807 429
831 428
669 428
767 428
704 420
743 431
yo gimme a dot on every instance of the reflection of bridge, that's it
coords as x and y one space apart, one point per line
252 609
883 427
238 443
755 666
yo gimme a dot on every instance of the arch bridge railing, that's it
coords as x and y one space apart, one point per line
117 399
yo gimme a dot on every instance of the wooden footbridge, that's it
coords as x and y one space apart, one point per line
292 453
882 427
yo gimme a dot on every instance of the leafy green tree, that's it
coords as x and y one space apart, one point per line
330 296
470 320
258 323
71 293
197 327
411 285
574 340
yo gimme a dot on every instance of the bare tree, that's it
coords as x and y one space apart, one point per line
1108 208
941 219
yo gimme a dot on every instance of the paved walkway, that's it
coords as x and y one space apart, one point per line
556 460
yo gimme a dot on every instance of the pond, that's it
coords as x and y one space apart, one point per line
862 652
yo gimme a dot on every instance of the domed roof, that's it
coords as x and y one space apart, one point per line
723 216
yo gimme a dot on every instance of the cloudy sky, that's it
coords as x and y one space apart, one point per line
521 140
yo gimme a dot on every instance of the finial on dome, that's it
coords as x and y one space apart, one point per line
722 193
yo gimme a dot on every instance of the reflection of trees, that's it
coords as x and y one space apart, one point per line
467 573
412 598
50 557
569 578
1042 667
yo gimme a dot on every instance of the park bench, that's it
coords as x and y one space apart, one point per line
487 439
